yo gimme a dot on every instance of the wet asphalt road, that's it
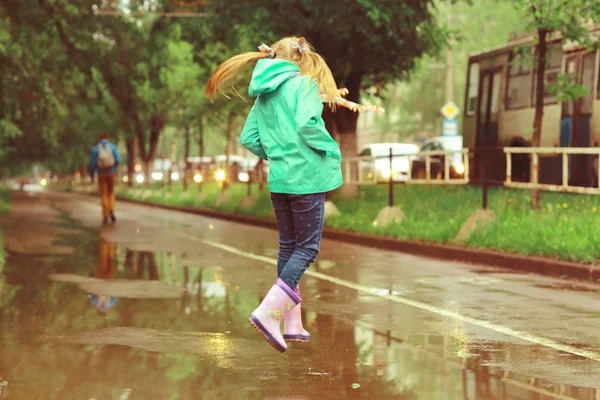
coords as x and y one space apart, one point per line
178 289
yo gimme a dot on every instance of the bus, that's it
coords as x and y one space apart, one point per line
499 110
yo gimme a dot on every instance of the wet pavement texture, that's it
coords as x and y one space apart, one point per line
156 306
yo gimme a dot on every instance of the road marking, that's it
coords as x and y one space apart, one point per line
412 303
417 304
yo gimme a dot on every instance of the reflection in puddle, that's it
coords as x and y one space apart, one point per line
170 329
107 270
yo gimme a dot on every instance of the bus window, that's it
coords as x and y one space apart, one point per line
518 90
471 106
587 77
568 107
599 81
555 55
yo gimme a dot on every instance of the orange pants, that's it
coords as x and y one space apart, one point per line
106 182
107 267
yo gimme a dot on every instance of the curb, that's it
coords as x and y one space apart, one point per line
527 264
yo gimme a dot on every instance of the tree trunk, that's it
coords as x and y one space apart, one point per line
157 125
130 161
201 138
260 174
343 128
228 133
542 50
186 154
173 157
146 169
84 173
163 156
201 149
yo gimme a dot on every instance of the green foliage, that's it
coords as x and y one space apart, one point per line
564 89
565 227
547 18
68 75
235 194
372 41
477 25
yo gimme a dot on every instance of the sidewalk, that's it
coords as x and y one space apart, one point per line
529 264
31 227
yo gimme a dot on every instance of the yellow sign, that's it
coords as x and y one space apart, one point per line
450 110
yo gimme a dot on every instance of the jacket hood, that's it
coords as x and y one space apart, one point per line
269 74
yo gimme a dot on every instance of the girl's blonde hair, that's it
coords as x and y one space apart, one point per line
293 49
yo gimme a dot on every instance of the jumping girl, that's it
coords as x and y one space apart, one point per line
285 128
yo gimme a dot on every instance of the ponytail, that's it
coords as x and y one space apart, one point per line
319 71
229 70
293 49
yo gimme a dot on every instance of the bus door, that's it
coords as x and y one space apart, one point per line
576 121
491 163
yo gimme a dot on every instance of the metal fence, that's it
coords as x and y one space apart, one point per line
397 168
482 167
350 164
534 153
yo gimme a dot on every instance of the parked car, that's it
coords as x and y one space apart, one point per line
162 167
214 169
437 171
378 168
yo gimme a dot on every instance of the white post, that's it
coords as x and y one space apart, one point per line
508 167
565 171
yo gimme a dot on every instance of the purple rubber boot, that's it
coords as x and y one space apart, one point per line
293 331
268 316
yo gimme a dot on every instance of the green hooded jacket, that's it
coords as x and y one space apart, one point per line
285 128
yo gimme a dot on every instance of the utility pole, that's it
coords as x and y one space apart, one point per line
449 66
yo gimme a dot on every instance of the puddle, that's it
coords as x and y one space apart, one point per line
116 321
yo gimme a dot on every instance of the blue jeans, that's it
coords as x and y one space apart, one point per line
300 220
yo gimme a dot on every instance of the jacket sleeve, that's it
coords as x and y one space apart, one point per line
93 162
249 137
310 124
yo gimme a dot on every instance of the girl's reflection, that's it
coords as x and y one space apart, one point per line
107 269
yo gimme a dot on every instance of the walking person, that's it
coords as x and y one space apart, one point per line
107 270
285 128
104 160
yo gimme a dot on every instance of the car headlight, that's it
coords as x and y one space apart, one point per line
157 176
459 168
198 178
220 175
244 177
385 173
175 176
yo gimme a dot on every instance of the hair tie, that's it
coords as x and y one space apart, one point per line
298 45
263 48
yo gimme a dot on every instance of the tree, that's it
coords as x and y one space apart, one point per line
49 109
545 18
145 65
481 24
366 42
